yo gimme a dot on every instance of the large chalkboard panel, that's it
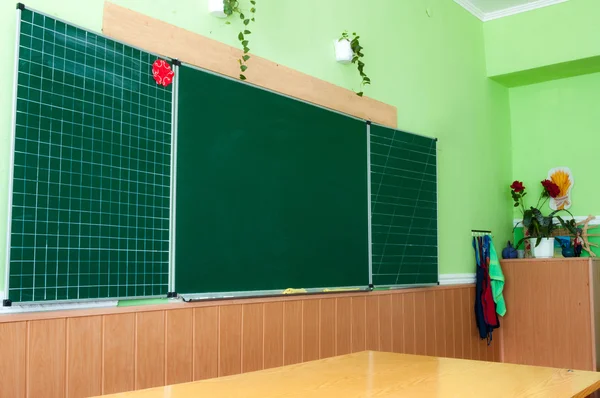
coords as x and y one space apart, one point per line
403 207
91 174
271 192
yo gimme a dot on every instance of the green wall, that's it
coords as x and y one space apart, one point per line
552 35
557 123
431 66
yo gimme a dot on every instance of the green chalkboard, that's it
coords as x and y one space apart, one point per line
272 193
91 174
403 207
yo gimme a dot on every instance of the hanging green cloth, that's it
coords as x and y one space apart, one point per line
497 280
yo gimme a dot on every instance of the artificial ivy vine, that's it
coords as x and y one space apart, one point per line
357 56
229 8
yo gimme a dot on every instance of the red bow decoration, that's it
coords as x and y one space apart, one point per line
162 72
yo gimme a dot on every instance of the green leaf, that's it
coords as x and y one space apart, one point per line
245 43
247 32
227 23
242 77
246 58
243 68
246 50
241 36
253 20
242 16
527 217
253 10
253 2
360 94
246 22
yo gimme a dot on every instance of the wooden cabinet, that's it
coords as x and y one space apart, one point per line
553 310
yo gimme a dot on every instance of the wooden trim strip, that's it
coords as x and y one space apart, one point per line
28 316
140 31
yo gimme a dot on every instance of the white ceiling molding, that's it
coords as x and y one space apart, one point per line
473 8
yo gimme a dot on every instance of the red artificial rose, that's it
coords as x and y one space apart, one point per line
552 189
517 186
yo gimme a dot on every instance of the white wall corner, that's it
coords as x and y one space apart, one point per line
472 8
457 279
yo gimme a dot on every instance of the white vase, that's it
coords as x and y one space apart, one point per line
215 8
544 250
343 51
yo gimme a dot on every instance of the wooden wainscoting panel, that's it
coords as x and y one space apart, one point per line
180 342
327 335
310 330
46 358
252 337
372 323
292 332
580 301
561 341
468 322
13 349
273 330
84 357
359 319
440 323
140 30
118 359
398 320
526 353
206 343
343 326
555 312
409 324
541 318
81 355
457 327
475 339
150 350
421 331
230 340
385 323
449 324
507 326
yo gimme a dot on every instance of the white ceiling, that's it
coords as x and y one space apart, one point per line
492 9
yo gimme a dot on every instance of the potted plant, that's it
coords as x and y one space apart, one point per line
348 49
537 226
226 8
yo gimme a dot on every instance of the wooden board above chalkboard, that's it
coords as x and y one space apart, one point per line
194 49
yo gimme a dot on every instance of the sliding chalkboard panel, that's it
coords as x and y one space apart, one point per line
91 176
271 192
403 208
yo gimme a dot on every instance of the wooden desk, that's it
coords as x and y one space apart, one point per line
378 374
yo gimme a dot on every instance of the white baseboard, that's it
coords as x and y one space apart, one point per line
457 279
